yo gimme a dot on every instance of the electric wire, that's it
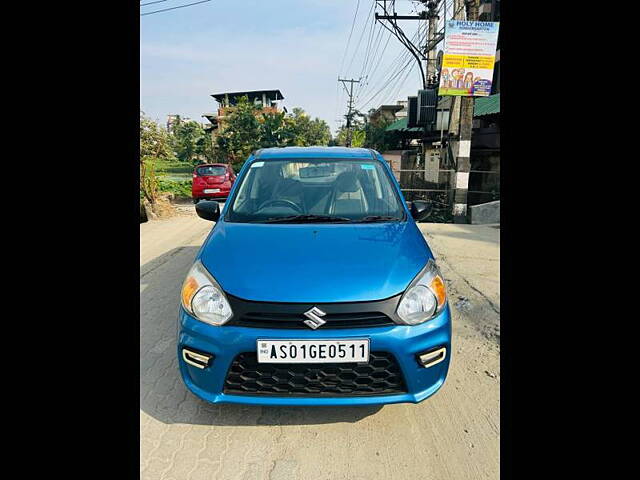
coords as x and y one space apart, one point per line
173 8
344 55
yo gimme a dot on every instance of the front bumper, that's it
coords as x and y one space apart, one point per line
225 342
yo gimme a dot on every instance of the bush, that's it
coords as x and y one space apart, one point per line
177 188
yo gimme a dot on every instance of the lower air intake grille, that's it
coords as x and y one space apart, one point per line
381 376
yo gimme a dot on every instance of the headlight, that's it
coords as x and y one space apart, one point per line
425 297
203 298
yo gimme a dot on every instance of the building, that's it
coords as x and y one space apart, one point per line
267 100
430 177
384 113
172 120
484 180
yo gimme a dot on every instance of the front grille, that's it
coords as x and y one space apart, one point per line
248 313
289 320
381 376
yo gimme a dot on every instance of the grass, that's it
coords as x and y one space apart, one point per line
173 166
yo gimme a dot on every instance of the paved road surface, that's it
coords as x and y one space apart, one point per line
453 435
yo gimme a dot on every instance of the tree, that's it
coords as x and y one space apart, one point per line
377 136
357 136
205 148
154 139
248 128
307 132
275 131
368 135
188 141
154 145
241 134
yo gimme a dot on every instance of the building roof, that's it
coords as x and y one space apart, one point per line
401 126
272 94
389 108
487 105
323 152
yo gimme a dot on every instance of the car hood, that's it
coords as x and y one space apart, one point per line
314 263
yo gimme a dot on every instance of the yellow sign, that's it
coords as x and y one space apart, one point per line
469 58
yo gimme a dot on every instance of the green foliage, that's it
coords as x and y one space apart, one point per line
154 146
154 139
248 128
242 132
148 179
274 130
189 142
205 148
378 138
369 135
177 188
173 166
305 132
358 138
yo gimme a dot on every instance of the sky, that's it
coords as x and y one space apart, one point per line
296 46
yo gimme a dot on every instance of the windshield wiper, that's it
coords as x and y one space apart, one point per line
306 219
376 218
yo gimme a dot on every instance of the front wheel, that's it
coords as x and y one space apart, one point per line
196 200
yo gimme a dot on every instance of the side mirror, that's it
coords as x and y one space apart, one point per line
420 209
208 210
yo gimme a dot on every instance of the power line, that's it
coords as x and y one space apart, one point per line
371 52
391 69
386 84
151 3
374 68
364 29
401 84
369 49
355 15
173 8
399 33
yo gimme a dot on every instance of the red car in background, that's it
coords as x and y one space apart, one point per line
212 181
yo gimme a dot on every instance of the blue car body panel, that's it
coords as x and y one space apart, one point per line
318 263
349 263
404 342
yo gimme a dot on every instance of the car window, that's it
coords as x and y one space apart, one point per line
347 189
209 170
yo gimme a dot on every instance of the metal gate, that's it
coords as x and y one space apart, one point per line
431 179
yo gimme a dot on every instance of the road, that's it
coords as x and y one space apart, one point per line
452 435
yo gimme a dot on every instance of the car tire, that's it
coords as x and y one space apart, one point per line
196 200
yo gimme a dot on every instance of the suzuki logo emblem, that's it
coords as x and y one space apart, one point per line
314 318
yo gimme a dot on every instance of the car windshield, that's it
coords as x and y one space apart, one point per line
316 191
202 171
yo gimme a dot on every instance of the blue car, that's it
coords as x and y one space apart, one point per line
314 287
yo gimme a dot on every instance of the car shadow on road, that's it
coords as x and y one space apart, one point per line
164 396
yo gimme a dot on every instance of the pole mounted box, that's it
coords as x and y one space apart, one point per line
412 112
426 107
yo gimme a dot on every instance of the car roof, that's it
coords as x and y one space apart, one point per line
322 152
212 165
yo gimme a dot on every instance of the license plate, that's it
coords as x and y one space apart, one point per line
211 190
313 351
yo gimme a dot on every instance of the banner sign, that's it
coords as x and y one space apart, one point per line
469 57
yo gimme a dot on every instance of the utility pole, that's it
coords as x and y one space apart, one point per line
429 72
463 157
397 32
349 105
430 68
454 114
